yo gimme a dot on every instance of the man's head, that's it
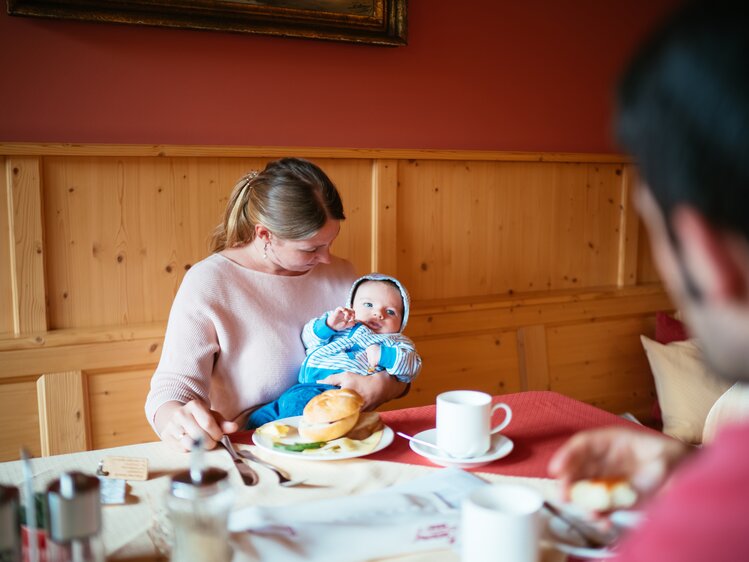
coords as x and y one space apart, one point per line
380 302
684 116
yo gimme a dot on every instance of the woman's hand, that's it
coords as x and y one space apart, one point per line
180 424
375 389
340 319
645 459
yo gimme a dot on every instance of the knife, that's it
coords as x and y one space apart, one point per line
249 476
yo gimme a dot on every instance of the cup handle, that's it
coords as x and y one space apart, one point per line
505 422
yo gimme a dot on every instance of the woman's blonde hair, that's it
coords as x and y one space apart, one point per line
291 197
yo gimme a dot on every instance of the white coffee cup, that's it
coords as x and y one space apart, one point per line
464 427
501 522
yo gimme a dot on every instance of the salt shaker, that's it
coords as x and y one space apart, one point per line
199 502
10 526
75 522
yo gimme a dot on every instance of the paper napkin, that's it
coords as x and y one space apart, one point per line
419 515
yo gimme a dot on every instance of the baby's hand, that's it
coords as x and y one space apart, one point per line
373 357
340 319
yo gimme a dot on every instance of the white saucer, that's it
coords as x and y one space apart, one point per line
501 447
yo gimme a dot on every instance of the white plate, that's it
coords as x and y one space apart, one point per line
265 443
501 447
565 539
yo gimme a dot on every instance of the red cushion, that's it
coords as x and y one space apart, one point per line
667 330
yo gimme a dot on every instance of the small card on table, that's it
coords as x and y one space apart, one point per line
126 468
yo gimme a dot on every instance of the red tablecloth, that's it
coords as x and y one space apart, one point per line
541 422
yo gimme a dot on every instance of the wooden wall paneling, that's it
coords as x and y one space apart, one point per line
646 270
99 355
487 362
629 231
126 230
19 419
116 402
63 413
582 204
437 320
485 228
385 216
599 248
533 360
23 177
353 178
521 268
6 239
603 363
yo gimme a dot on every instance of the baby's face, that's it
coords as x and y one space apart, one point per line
379 306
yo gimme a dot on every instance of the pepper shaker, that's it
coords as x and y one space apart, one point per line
75 522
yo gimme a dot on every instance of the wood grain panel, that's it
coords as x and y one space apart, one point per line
80 357
483 228
353 178
487 362
385 216
116 402
26 258
534 364
629 231
603 363
646 270
123 231
514 313
6 280
19 420
63 422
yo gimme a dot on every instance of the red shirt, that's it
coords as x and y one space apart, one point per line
703 515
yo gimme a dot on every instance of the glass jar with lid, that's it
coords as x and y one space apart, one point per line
199 508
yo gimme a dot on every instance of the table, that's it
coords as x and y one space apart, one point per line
541 422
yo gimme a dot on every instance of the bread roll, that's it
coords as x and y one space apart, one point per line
332 405
366 425
330 415
603 494
326 431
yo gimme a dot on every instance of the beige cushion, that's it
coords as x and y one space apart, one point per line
732 406
686 388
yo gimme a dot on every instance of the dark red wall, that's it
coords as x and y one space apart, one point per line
530 75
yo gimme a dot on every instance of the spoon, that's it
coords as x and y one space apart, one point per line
421 442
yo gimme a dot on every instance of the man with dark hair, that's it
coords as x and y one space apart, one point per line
684 116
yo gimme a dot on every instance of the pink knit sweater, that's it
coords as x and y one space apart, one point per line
234 335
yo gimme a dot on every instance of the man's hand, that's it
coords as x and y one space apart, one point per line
340 319
180 424
645 459
375 389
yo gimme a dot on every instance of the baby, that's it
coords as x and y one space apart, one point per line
364 337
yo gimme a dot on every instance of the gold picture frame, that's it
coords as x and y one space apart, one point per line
375 22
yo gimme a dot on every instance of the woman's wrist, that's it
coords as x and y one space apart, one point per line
164 414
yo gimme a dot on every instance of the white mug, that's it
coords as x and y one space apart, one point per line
501 522
464 422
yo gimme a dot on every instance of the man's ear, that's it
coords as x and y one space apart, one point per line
710 255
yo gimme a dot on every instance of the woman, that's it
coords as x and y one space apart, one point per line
232 342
